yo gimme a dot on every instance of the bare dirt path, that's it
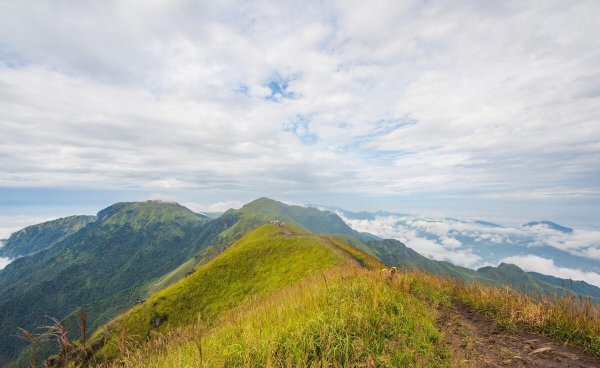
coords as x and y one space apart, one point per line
477 342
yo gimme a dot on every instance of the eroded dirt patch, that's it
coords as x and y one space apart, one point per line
477 342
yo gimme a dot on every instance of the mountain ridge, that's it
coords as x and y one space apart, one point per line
133 250
129 249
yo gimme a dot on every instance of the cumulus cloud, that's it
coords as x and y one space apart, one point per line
378 97
548 267
214 207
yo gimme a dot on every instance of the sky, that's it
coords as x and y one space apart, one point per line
470 109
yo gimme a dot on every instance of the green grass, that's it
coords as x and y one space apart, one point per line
264 260
345 317
365 259
189 266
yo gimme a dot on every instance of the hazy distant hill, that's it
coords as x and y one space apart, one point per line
393 252
551 225
42 236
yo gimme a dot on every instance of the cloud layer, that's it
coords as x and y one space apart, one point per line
538 248
496 100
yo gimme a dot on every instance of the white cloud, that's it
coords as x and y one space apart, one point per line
547 267
448 249
214 207
474 245
4 262
398 98
585 243
10 224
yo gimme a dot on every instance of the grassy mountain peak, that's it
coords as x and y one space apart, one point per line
140 214
264 209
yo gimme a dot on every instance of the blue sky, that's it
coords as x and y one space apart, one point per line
467 109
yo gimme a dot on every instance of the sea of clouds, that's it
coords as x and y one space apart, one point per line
538 248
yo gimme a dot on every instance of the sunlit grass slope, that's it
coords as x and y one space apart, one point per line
262 261
344 317
352 317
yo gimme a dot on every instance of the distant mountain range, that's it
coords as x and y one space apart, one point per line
129 251
551 225
541 246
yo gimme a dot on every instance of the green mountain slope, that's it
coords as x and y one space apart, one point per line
279 297
577 287
394 253
509 274
128 244
42 236
282 297
263 210
130 251
264 260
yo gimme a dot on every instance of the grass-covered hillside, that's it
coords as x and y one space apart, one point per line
42 236
281 298
262 210
168 266
129 252
265 260
127 245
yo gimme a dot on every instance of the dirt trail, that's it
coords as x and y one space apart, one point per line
477 342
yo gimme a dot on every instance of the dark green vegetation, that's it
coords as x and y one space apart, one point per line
509 274
394 253
42 236
136 251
